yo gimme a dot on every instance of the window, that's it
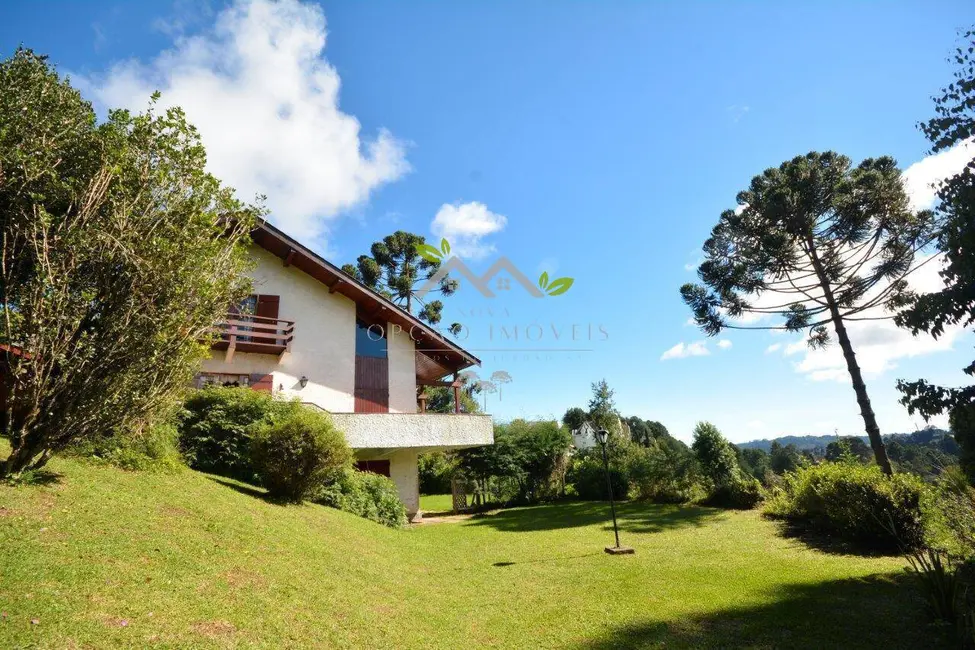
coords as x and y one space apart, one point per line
370 340
219 379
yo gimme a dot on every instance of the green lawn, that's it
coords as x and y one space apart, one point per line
105 558
436 503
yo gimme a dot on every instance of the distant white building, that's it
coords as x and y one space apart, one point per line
584 437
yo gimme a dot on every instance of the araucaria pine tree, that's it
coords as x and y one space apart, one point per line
817 243
396 268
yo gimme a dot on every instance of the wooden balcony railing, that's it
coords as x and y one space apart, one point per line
246 333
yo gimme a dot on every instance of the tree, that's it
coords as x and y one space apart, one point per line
849 447
784 458
119 254
574 418
540 445
500 378
962 421
486 387
440 399
395 269
955 303
602 408
715 455
815 242
640 432
755 462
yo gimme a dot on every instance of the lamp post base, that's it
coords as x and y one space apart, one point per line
620 550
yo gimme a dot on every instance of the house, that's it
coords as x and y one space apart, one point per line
584 437
313 333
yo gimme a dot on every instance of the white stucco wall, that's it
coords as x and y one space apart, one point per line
402 370
403 472
323 348
417 430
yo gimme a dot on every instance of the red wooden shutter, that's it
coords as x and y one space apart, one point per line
267 307
371 385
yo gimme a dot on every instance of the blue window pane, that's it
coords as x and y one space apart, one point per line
370 340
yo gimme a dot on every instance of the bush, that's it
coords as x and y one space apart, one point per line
857 502
951 516
743 493
435 470
216 426
154 448
298 454
587 478
663 475
367 495
526 462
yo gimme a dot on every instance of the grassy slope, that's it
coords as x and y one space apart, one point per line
108 558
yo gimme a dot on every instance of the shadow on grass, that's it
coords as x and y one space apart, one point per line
824 542
881 611
632 517
546 560
35 477
249 490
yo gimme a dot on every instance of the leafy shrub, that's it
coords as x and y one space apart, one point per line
435 469
587 478
743 493
526 456
216 426
152 448
858 502
663 475
365 494
298 454
951 516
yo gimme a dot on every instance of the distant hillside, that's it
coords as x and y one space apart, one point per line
802 443
810 443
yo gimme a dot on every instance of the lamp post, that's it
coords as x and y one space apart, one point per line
602 435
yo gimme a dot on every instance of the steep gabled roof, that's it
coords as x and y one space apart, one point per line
436 356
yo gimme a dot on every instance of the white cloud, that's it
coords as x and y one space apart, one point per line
795 347
878 344
464 225
921 178
683 350
773 348
266 103
724 344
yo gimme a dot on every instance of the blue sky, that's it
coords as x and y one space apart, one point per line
594 140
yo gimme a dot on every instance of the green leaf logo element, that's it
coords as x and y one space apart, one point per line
445 247
560 286
428 252
543 280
